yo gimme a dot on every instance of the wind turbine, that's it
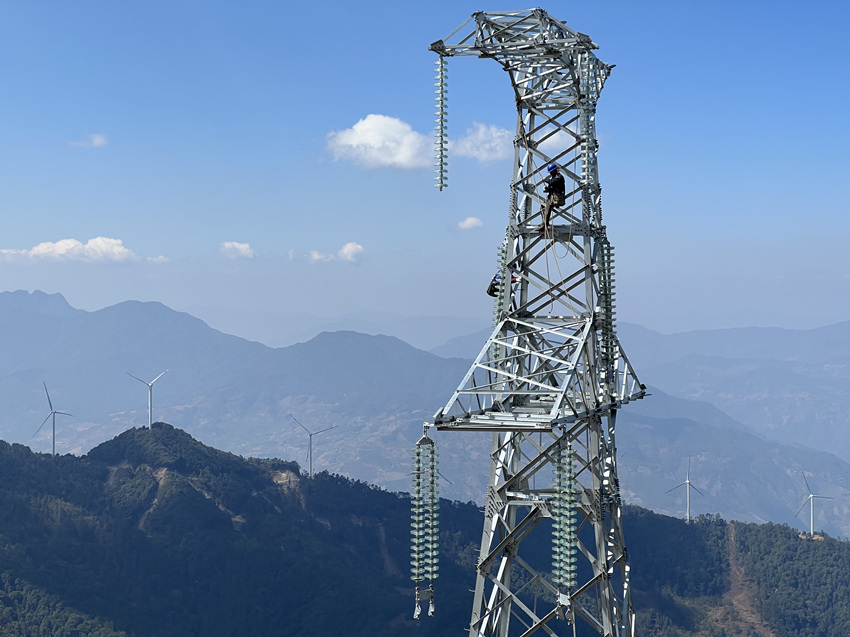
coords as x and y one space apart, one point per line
688 487
150 392
311 434
52 414
811 500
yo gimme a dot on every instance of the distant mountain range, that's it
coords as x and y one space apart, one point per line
238 395
277 329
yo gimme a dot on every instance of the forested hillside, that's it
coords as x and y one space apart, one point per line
155 534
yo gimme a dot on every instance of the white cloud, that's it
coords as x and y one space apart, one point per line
348 252
469 223
380 141
316 256
99 249
159 259
484 143
95 140
235 250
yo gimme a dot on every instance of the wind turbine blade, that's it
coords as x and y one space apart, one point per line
64 413
805 502
676 487
440 473
698 491
137 378
327 429
42 424
157 378
48 395
823 497
808 488
299 422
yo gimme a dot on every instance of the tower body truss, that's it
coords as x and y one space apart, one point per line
549 380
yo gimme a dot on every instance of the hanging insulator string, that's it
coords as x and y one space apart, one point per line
424 522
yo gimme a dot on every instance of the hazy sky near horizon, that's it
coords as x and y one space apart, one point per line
266 157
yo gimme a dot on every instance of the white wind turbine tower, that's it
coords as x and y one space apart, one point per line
52 414
150 392
811 500
310 445
688 487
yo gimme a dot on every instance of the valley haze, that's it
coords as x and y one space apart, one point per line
377 390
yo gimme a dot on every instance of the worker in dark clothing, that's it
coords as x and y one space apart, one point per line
493 288
555 188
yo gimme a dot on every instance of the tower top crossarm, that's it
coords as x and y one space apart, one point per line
553 356
539 52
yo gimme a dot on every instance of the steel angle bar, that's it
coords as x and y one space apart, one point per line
537 577
533 622
515 601
559 374
493 609
559 322
579 609
475 365
532 374
565 166
546 287
544 160
501 375
470 19
499 33
529 379
515 377
543 97
546 75
566 235
552 120
529 251
554 294
539 343
490 424
543 623
573 334
533 465
501 28
540 352
515 536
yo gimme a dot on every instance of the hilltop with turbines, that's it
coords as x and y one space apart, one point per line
154 533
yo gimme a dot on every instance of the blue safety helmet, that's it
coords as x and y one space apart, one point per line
552 168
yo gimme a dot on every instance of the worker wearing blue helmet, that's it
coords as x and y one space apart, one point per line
556 192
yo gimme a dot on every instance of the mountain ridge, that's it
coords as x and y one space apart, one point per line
376 392
155 533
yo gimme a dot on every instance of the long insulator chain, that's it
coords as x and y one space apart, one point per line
441 137
606 302
425 522
565 535
504 287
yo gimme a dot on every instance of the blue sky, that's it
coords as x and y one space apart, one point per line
236 159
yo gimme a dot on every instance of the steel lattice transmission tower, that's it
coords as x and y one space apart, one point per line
549 381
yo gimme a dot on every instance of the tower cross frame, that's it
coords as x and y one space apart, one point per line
549 381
